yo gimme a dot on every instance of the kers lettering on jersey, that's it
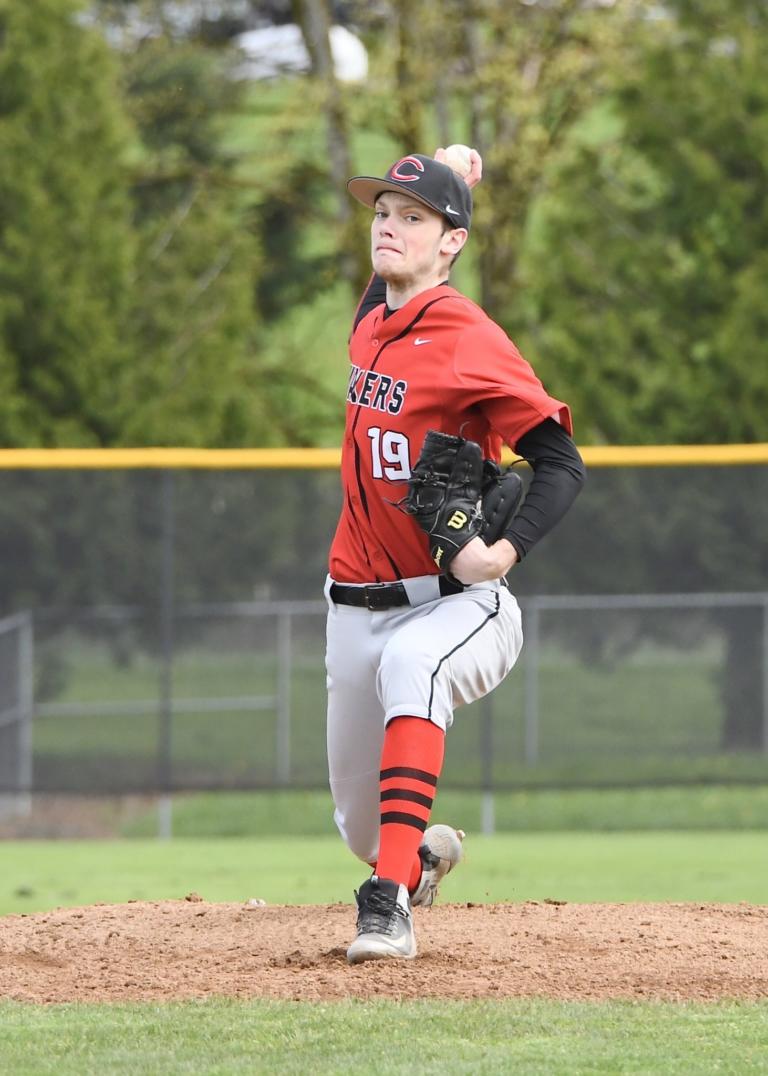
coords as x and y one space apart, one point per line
379 391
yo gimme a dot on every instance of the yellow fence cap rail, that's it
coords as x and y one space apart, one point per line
225 459
220 459
674 455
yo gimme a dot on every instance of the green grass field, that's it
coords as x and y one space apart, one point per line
534 1038
680 843
537 1037
530 1036
594 867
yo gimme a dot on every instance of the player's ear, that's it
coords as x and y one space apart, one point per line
453 240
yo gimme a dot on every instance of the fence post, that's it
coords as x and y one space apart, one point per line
488 806
165 708
26 704
532 658
765 673
283 732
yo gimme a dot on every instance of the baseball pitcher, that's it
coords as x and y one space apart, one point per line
420 616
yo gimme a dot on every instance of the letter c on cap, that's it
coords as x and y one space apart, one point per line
406 177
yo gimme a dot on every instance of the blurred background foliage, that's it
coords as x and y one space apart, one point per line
179 259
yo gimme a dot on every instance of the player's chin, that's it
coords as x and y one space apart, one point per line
389 272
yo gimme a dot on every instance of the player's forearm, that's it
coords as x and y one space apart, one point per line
558 475
551 493
478 562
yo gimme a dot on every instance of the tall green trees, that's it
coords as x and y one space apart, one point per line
650 261
150 286
192 296
534 69
65 239
127 265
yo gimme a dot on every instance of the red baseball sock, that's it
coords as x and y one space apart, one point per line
411 760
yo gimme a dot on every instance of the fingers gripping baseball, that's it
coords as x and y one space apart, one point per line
444 493
465 162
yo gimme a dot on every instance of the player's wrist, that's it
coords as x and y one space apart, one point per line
508 554
478 563
501 557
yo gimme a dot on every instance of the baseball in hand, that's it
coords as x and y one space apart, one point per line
458 158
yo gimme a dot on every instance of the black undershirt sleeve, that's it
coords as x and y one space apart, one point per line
558 475
374 295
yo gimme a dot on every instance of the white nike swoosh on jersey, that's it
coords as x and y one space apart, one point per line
455 212
418 341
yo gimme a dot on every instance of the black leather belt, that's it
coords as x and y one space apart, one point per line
378 596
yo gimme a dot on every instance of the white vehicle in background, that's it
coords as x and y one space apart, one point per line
267 51
275 50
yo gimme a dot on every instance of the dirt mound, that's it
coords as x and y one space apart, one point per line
191 949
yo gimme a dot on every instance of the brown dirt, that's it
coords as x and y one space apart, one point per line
168 950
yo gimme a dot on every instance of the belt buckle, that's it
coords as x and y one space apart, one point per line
372 603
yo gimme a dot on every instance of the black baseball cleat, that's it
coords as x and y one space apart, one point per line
384 923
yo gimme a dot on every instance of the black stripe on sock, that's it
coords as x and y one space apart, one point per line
404 820
407 795
409 771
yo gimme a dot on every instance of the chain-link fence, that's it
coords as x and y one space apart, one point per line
233 700
178 634
610 689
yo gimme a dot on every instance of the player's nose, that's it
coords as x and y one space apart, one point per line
384 227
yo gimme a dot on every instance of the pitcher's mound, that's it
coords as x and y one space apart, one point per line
191 949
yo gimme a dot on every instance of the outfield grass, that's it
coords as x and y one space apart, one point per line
289 813
525 1037
592 867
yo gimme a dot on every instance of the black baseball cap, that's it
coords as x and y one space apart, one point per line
426 180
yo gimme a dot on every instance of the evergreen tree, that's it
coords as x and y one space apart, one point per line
647 276
65 239
193 317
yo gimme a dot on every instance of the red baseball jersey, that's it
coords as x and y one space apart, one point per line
440 363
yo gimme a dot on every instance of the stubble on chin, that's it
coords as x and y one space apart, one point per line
398 281
390 275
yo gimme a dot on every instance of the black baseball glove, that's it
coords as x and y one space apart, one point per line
444 493
501 495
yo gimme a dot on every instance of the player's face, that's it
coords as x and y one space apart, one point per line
408 242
